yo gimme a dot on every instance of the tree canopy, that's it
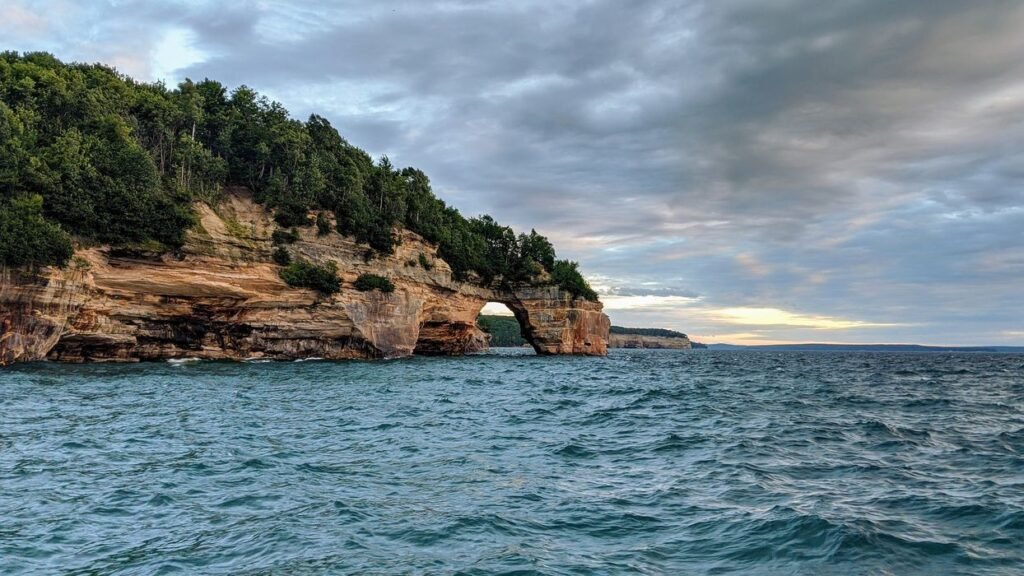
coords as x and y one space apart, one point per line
121 162
29 240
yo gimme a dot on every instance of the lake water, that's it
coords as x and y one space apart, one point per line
649 462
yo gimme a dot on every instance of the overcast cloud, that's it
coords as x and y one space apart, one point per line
739 170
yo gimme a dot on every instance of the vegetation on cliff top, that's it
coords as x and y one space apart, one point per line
121 162
659 332
27 239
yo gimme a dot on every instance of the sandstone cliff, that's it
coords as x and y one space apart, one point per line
638 341
221 298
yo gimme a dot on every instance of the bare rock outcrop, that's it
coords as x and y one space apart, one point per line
221 297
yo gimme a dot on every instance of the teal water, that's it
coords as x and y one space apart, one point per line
649 462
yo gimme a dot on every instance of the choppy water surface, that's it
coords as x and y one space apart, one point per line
655 462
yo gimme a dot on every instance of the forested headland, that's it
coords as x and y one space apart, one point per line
88 155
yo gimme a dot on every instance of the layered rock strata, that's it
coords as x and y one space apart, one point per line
638 341
221 297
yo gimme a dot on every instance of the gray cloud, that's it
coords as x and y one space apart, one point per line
858 159
643 291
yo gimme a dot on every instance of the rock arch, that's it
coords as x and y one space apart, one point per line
550 319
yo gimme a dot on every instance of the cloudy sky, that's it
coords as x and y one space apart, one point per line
741 170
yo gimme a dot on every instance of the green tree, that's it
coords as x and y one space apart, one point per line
28 239
567 276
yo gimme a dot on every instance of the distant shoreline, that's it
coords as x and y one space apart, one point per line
850 348
868 348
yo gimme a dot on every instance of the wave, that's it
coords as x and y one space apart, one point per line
644 463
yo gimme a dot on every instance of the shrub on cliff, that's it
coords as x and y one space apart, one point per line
28 240
281 256
323 225
305 274
368 282
567 276
285 236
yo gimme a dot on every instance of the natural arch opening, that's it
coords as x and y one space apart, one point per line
453 328
505 330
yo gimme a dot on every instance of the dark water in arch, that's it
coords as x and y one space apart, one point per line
653 462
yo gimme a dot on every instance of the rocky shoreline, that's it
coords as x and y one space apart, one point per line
221 297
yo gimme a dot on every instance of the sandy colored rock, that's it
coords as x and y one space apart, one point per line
221 298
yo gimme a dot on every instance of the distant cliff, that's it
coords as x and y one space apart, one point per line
222 297
637 341
621 337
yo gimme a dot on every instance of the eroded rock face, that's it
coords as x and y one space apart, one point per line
222 298
555 323
34 312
